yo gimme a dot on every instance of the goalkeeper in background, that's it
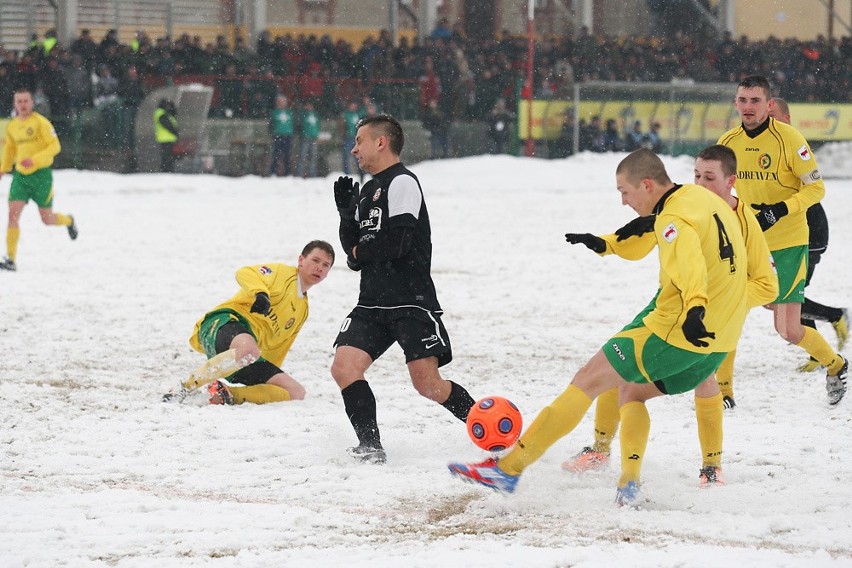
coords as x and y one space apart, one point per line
247 337
31 145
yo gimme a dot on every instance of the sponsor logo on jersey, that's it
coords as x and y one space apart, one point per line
804 153
377 194
760 176
265 270
374 221
764 161
670 233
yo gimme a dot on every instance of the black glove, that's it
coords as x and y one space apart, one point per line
346 193
261 304
637 227
594 243
693 327
768 215
353 263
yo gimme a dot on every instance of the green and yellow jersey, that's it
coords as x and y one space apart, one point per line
774 164
33 138
762 285
703 262
275 332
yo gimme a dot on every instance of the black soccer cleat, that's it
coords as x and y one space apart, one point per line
835 385
72 229
728 401
8 264
368 454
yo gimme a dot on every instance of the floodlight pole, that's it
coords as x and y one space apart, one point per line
530 146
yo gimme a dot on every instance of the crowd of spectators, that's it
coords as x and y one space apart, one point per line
458 78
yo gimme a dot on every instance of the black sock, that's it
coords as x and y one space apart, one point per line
815 311
360 405
459 402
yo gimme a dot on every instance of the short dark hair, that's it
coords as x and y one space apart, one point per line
721 154
759 81
22 89
318 244
389 127
641 164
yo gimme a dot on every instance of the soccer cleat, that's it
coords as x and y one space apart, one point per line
809 366
485 473
841 328
219 393
176 395
8 264
728 401
628 496
587 460
710 475
835 385
368 454
72 229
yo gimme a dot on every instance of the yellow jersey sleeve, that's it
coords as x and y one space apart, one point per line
762 286
631 248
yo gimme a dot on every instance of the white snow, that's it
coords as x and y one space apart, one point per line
96 471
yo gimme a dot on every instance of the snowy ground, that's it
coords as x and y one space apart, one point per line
96 471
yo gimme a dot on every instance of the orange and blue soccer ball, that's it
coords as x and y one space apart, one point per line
494 423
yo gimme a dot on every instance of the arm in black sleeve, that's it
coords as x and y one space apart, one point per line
348 232
395 244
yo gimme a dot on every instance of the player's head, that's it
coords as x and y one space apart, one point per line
780 110
716 169
378 143
387 126
752 101
641 178
316 260
23 102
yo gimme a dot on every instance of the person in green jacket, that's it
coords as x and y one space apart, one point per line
310 135
281 125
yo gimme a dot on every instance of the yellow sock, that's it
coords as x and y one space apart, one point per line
13 234
708 413
259 394
553 422
818 348
725 375
62 219
635 426
606 420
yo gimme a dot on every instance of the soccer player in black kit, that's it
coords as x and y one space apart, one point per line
385 232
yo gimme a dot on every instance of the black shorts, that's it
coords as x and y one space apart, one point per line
418 331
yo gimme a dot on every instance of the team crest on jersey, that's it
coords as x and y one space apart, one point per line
265 270
764 161
377 194
29 131
289 323
804 153
670 233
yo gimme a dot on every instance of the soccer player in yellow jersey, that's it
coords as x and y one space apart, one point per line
818 231
778 176
716 170
247 337
674 345
31 145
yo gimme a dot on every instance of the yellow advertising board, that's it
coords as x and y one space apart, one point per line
689 121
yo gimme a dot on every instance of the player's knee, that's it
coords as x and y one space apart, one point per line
297 392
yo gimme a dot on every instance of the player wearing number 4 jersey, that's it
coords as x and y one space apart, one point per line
385 232
716 170
671 347
778 176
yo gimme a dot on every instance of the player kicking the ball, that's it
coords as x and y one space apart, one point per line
671 347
